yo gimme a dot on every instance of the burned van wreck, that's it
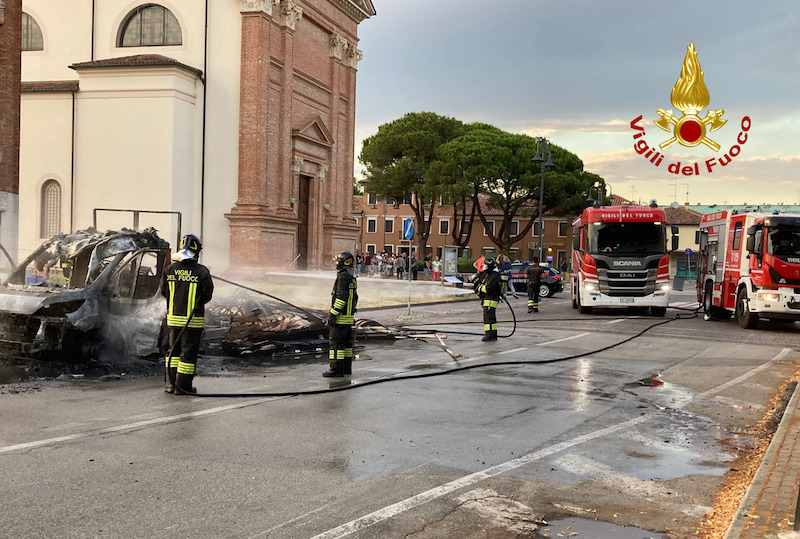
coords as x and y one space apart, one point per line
95 296
84 295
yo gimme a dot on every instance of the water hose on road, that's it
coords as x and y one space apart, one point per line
345 386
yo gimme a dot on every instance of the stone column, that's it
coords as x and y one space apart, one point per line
252 203
290 15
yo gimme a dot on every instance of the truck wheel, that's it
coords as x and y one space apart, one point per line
544 291
658 311
746 318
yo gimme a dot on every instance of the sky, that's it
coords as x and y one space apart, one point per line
578 72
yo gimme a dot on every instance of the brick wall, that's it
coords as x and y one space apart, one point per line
10 66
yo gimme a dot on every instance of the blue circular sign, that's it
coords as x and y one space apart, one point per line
688 251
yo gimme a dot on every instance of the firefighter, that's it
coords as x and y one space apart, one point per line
489 292
534 273
344 299
187 285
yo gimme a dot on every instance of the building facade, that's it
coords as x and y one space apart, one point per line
380 229
237 114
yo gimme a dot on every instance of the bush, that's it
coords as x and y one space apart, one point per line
465 265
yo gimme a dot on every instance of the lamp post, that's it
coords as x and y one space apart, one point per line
540 159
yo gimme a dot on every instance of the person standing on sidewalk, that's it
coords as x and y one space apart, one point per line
344 299
534 273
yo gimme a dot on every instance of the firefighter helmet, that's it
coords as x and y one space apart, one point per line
490 264
191 243
345 259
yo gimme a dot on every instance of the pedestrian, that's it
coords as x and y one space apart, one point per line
368 263
187 285
505 275
414 266
534 274
344 299
377 263
359 261
435 267
399 265
489 292
427 267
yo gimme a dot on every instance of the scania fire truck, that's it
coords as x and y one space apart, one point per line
750 266
619 258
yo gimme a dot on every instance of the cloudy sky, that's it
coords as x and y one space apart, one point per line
579 71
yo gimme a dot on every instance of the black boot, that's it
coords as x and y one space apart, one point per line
348 366
487 336
183 384
336 369
530 309
493 336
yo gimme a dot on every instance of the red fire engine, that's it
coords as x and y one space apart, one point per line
619 258
750 266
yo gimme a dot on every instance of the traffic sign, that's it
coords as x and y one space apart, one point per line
688 251
408 228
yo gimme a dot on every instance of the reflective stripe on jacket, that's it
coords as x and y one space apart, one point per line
344 298
187 286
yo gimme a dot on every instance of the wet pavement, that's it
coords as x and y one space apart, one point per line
580 446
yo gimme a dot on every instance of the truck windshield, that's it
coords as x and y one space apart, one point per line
627 238
784 240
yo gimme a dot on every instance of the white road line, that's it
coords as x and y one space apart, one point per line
617 321
511 351
564 339
745 376
132 426
469 480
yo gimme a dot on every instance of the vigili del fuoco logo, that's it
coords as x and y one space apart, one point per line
690 96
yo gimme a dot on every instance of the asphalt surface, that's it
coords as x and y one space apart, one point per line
554 429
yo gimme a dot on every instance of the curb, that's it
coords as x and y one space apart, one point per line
754 490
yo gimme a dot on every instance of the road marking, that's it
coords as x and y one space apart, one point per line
564 339
745 376
617 321
132 426
512 351
469 480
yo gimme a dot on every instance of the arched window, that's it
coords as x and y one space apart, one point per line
32 39
150 25
51 209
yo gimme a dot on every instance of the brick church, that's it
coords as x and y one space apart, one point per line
235 115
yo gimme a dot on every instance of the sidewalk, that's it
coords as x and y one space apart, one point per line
768 508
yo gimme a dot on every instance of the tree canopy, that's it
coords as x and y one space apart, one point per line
397 158
423 156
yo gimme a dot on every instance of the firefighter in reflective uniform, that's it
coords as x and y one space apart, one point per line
534 273
344 299
187 285
489 292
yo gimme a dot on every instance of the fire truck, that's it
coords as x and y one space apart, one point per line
750 266
620 258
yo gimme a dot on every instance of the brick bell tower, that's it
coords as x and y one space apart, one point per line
10 76
296 133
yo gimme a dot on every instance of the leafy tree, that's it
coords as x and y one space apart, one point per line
497 164
397 159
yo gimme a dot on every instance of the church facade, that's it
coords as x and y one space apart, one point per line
234 122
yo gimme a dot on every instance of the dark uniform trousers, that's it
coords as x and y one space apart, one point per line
340 348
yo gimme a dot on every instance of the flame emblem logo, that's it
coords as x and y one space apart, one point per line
690 96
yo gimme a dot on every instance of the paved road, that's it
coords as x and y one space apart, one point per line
509 449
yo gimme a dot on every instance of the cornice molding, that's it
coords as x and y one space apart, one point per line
356 11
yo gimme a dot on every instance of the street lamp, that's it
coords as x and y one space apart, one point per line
540 159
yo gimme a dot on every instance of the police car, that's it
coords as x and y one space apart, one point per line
551 281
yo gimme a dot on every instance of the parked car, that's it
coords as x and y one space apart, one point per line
551 282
